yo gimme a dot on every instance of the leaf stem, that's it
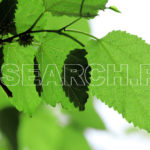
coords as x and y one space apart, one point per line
37 20
53 31
71 37
84 33
76 20
73 22
81 8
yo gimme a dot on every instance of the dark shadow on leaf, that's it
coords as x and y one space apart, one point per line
76 77
38 80
1 60
7 15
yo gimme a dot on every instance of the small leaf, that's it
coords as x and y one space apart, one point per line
76 77
114 8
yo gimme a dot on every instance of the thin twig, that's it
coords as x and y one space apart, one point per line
76 20
37 20
71 37
10 39
68 25
87 34
81 8
40 31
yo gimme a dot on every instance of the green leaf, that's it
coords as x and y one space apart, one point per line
27 13
72 7
5 88
47 133
86 119
9 121
51 56
114 8
18 74
53 51
76 78
122 90
4 102
4 143
73 140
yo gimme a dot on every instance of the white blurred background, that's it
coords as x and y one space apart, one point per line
135 19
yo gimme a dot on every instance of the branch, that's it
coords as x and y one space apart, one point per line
60 33
53 31
10 39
